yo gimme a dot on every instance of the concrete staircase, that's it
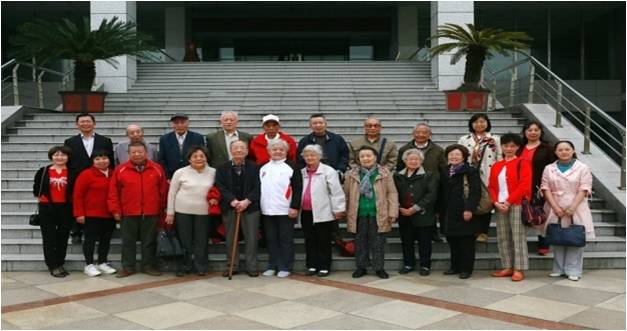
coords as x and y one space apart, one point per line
400 94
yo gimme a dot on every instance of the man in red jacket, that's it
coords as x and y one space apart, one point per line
271 131
137 196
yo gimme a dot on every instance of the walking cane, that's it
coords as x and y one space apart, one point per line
238 217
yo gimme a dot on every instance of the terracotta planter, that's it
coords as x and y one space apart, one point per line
466 100
83 101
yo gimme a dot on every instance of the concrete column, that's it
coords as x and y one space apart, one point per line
407 30
118 78
445 75
175 32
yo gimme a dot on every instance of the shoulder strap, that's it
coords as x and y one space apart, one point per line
381 150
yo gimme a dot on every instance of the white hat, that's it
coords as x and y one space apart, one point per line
270 117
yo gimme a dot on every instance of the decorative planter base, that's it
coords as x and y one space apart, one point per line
83 102
466 100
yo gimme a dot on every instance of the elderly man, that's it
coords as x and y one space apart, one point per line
134 133
137 195
335 150
386 148
219 142
238 182
432 154
271 132
174 146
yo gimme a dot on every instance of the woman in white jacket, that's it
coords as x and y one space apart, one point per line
323 203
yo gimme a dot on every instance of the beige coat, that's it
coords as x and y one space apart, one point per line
385 194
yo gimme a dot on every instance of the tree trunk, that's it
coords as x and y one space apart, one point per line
474 64
84 74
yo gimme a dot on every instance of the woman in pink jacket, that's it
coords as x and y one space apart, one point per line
566 184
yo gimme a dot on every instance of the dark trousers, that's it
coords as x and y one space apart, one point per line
369 244
280 241
100 230
193 232
317 241
483 222
249 227
462 252
542 242
409 235
55 222
77 230
143 228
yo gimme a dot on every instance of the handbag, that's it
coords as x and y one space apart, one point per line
34 218
572 236
485 204
532 212
168 244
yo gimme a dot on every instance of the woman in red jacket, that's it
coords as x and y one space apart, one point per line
90 209
510 182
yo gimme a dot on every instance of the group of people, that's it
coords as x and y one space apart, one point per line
269 181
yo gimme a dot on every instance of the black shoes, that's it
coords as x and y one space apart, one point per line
323 273
451 272
310 272
464 275
57 272
124 273
382 274
253 273
424 271
77 240
359 273
405 270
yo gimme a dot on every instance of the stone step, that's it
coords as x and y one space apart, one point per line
274 100
440 261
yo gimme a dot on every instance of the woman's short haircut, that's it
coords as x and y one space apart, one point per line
280 142
511 138
411 151
459 147
474 118
63 149
367 148
195 149
566 142
313 148
100 153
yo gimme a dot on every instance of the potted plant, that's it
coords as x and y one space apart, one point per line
44 41
477 45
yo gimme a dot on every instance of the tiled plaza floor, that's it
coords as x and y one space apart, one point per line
34 300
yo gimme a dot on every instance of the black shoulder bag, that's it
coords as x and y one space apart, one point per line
34 218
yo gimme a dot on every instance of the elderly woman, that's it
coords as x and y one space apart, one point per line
456 209
281 189
187 204
566 184
417 194
484 150
90 209
52 187
371 209
323 203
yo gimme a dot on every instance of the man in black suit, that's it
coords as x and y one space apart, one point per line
173 146
82 146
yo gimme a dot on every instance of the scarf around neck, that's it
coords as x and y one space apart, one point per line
365 187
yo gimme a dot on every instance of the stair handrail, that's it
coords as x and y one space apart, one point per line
561 103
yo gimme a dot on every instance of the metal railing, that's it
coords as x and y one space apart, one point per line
28 88
528 81
421 54
158 56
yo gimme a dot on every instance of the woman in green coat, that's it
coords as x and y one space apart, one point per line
417 194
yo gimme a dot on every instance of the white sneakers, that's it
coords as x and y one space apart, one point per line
573 278
556 274
91 271
272 272
283 274
105 269
269 273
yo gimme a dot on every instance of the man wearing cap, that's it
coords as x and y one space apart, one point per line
134 133
387 149
219 142
173 146
271 131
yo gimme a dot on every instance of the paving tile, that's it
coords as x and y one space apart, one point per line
291 289
467 295
347 277
8 326
406 314
349 322
613 273
471 322
599 318
100 323
169 315
617 303
224 322
541 276
25 294
191 290
79 286
578 296
401 285
243 281
42 277
504 284
234 301
43 317
10 284
537 307
138 278
285 315
118 303
342 300
596 283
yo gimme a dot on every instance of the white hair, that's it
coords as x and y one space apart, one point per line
312 148
228 112
422 124
281 142
412 151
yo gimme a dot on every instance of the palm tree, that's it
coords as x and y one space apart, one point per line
477 45
46 41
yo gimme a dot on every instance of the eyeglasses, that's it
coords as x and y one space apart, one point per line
372 125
